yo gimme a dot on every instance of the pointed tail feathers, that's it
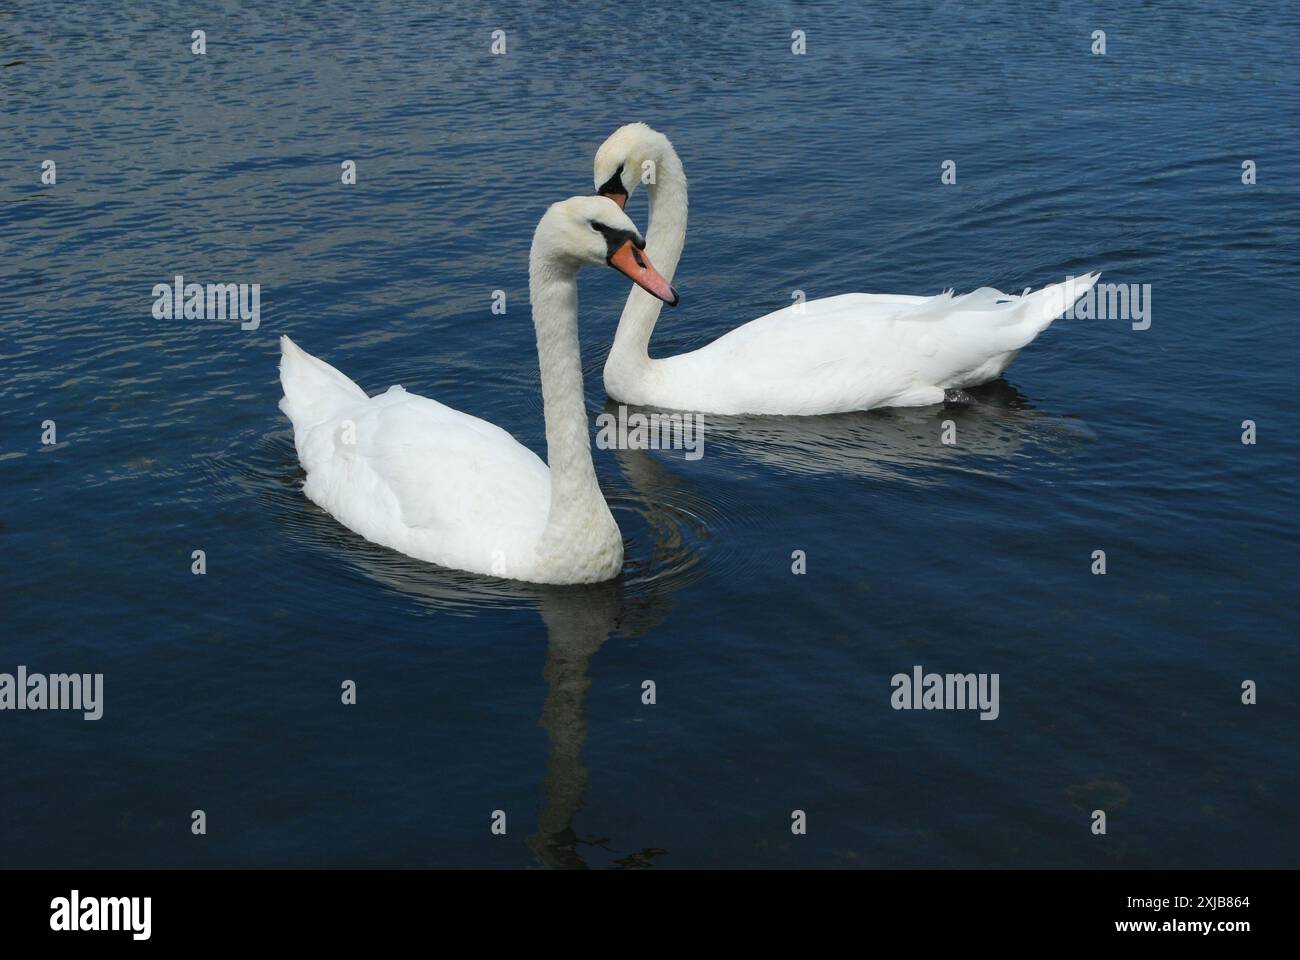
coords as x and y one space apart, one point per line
1038 309
313 390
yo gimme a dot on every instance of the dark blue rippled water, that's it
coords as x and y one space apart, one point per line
818 172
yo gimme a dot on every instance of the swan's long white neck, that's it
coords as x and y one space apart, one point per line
576 501
629 357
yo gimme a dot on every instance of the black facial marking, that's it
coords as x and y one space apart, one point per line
615 238
614 184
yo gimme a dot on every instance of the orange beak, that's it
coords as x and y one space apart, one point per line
617 196
634 264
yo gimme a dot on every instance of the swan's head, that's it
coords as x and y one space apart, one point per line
622 160
595 230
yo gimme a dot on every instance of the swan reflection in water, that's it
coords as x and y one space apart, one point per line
894 443
578 621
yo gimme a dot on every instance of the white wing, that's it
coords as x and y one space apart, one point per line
857 351
413 474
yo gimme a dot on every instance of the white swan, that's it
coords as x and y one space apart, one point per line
439 485
851 352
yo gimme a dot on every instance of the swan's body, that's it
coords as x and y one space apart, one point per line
844 353
421 478
412 474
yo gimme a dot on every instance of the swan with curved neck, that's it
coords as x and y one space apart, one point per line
850 352
439 485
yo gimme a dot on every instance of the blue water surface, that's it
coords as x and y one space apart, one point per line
818 172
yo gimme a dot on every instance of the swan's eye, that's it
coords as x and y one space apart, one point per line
614 184
616 237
